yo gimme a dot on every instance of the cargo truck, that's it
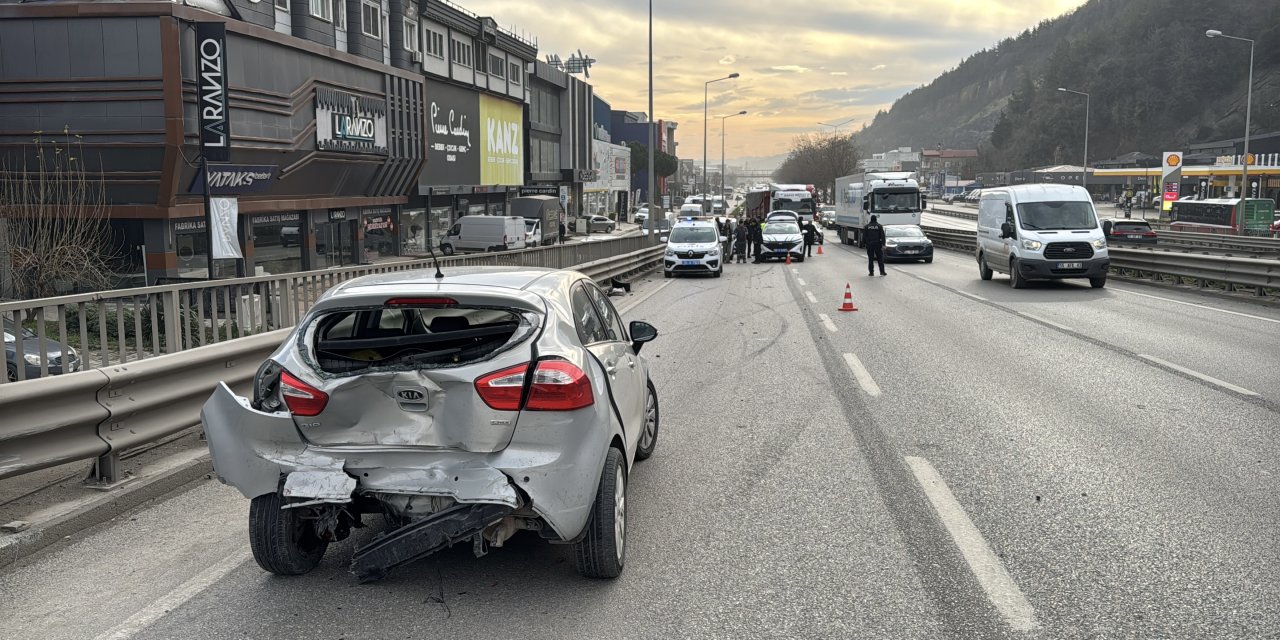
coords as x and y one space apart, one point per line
894 197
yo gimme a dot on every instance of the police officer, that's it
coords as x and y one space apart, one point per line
757 237
873 238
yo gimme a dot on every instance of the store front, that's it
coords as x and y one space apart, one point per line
277 243
380 236
336 239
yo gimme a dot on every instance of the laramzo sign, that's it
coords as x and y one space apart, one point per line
350 123
215 120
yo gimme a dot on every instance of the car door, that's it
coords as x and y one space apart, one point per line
626 372
595 336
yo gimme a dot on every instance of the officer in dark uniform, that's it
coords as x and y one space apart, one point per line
873 238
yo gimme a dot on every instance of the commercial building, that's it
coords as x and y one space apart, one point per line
560 126
634 126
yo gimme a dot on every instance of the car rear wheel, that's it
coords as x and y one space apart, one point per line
11 373
984 271
282 542
602 551
649 437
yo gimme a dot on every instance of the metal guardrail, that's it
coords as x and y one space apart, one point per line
103 412
1232 272
108 328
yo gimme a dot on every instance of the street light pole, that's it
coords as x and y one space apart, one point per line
1248 106
722 119
1084 168
654 204
835 128
706 92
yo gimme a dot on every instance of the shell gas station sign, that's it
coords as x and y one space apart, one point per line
1170 178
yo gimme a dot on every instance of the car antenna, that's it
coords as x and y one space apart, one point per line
430 246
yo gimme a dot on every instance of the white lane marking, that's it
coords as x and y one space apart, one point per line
802 282
826 322
176 598
635 303
1192 304
809 294
796 271
1048 322
1197 374
863 376
970 295
991 574
926 279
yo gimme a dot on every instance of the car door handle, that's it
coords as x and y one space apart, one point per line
611 367
631 363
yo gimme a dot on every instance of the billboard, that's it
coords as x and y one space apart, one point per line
1170 178
502 141
215 121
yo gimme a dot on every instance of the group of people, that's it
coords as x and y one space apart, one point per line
745 238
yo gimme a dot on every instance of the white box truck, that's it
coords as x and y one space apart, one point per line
894 197
484 233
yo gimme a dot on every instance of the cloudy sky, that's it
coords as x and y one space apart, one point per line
802 61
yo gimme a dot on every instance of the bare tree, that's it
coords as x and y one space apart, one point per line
819 159
56 217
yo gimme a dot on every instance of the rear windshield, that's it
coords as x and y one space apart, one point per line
1131 226
347 341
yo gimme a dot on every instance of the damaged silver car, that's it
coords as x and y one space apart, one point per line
462 409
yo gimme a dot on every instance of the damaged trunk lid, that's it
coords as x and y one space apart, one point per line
401 371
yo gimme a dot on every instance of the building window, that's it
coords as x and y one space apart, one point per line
435 44
411 35
515 74
282 4
482 59
371 19
460 52
321 9
497 66
340 14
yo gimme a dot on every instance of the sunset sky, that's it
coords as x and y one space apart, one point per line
802 62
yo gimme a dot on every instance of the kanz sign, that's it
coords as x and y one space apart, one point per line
350 123
211 91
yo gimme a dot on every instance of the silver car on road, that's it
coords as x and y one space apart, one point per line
462 409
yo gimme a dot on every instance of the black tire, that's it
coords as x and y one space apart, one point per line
11 373
666 274
928 260
282 542
446 249
800 259
1015 279
602 551
649 437
984 271
1098 283
718 273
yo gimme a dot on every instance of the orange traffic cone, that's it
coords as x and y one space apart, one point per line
788 259
819 249
848 299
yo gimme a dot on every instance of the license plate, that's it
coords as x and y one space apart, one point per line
911 251
1135 236
689 263
1070 265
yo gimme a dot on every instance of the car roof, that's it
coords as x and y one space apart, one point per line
497 277
694 223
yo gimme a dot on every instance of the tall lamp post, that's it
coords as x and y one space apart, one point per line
722 119
706 91
1084 167
654 203
835 128
1248 104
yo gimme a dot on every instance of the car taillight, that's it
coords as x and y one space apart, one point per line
421 302
1149 234
502 390
302 398
558 385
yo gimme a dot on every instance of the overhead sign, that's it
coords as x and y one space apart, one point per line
211 91
1170 178
235 179
350 123
502 141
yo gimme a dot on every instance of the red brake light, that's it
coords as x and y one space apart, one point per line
1149 234
421 302
302 398
559 385
502 390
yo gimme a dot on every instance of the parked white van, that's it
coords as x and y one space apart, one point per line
1040 232
484 233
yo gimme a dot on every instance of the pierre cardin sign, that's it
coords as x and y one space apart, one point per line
350 123
211 91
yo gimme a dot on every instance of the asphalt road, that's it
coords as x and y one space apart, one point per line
955 459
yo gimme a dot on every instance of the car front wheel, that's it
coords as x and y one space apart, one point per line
447 249
602 551
649 437
282 541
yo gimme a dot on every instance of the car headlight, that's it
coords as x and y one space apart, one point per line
670 253
890 243
1100 243
1032 245
713 253
32 359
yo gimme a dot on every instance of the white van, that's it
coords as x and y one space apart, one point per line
1040 232
694 247
484 233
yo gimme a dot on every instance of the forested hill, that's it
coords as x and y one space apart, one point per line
1156 83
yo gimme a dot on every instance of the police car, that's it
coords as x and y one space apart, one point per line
693 247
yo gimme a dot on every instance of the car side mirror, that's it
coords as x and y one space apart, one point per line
866 203
924 204
1006 231
641 332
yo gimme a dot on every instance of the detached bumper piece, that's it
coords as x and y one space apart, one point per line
424 537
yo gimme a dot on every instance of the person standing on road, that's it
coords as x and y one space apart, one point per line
740 239
757 237
810 237
873 238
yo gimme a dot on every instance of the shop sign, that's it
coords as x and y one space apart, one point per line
211 91
452 157
502 141
378 223
350 123
235 179
189 226
337 215
540 190
277 218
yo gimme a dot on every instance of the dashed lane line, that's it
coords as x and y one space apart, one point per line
987 568
801 282
861 374
176 598
1044 321
826 322
1197 374
971 295
812 299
